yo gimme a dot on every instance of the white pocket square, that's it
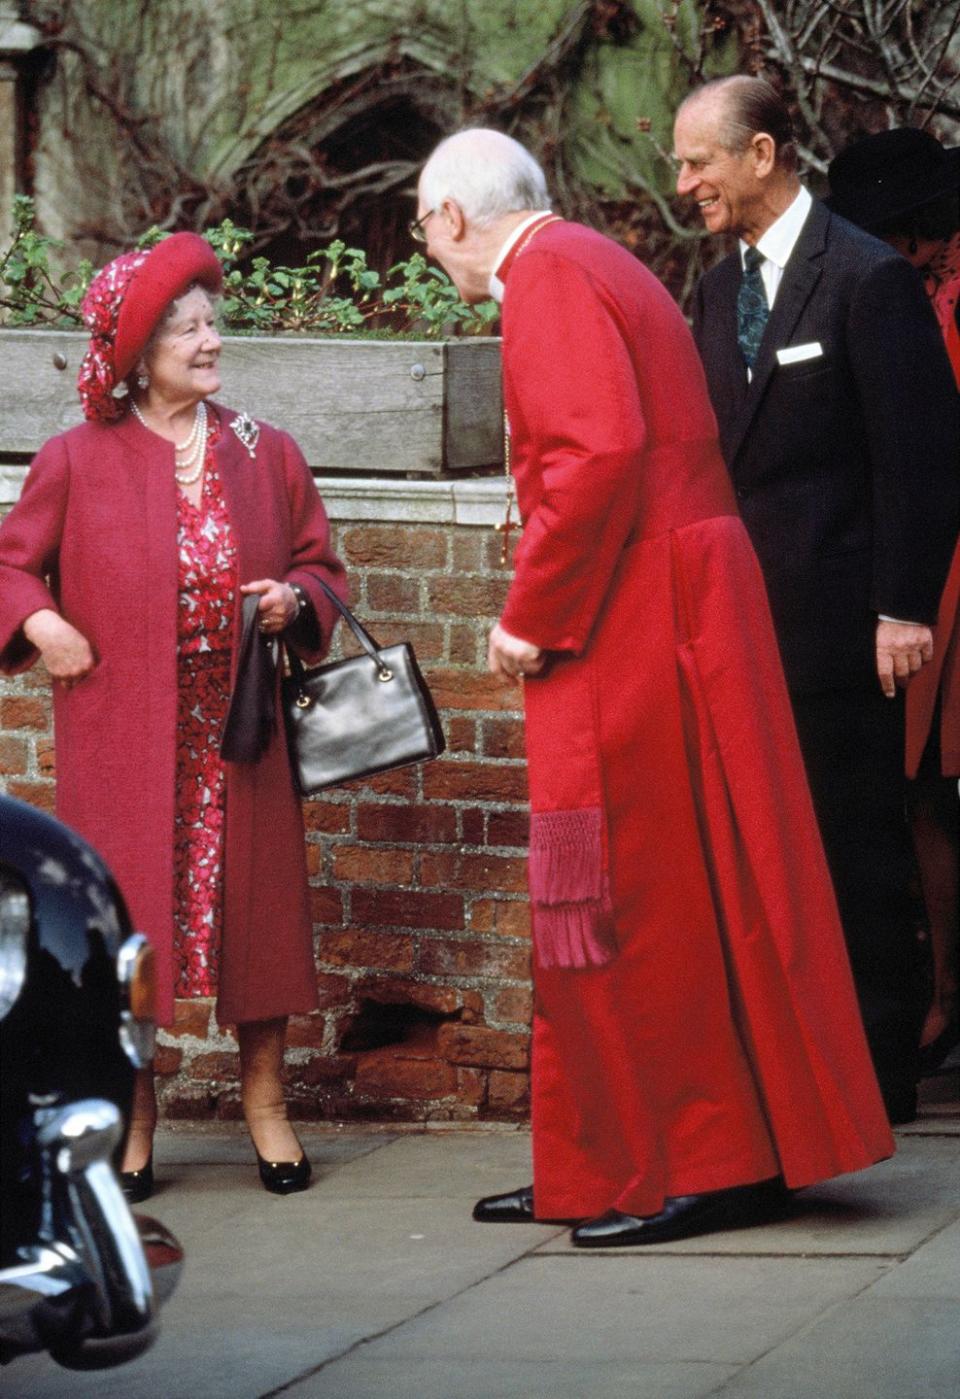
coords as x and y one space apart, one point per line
792 354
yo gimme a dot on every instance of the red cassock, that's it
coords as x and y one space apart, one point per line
97 518
695 1025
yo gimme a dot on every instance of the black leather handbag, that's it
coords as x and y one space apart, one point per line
357 717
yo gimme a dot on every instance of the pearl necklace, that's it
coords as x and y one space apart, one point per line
189 455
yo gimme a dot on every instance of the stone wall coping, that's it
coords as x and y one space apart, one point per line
475 501
466 502
11 479
16 36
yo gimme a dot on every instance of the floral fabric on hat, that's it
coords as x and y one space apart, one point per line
96 381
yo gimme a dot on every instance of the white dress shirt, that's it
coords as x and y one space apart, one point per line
779 241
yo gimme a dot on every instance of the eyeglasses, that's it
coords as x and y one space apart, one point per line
415 227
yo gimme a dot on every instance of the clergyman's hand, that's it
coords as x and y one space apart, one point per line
513 659
902 648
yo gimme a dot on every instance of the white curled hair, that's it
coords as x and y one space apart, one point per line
487 173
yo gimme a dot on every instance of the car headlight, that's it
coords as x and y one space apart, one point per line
135 970
15 919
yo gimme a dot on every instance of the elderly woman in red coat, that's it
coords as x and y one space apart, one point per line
124 566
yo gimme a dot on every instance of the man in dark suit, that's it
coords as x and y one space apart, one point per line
838 423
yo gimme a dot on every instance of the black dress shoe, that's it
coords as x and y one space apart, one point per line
900 1101
684 1216
137 1186
932 1055
284 1177
513 1208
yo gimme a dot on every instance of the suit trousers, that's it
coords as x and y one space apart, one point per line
853 744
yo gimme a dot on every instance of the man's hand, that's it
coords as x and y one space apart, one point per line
902 648
511 658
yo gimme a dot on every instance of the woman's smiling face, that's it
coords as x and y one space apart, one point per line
182 360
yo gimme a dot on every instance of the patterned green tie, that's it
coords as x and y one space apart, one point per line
752 309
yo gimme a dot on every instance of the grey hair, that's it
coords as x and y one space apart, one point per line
487 173
748 106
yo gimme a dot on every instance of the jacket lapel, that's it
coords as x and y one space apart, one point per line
247 480
800 277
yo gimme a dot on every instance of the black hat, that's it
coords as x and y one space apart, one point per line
891 173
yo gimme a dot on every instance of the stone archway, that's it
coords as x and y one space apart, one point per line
344 166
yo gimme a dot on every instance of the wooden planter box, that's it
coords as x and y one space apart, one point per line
355 405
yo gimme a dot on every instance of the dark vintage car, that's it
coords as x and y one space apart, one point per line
79 1276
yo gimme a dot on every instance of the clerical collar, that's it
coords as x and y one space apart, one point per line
780 239
497 287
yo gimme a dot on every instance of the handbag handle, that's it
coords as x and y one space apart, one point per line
369 645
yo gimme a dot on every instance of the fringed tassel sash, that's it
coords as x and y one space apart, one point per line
569 889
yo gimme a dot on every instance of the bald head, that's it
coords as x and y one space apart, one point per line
486 173
741 107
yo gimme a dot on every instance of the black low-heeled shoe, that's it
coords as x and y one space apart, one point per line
284 1177
137 1186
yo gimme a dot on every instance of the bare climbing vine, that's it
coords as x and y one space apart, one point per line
343 166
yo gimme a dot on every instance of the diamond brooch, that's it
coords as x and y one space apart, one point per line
247 430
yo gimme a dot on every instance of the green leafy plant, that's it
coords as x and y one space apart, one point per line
30 293
335 292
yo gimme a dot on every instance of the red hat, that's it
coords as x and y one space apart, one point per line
125 303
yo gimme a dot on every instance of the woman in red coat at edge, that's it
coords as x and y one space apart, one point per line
124 566
904 186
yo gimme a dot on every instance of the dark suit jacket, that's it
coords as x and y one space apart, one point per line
847 465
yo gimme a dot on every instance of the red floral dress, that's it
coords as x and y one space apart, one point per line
207 582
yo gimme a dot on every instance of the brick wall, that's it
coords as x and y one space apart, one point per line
417 877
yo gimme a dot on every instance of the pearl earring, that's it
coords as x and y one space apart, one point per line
143 380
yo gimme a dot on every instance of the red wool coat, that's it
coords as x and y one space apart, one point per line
722 1042
94 534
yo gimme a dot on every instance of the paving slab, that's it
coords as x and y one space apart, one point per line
933 1271
465 1165
273 1286
204 1181
359 1378
237 1357
888 1210
327 1149
376 1281
936 1120
874 1348
727 1311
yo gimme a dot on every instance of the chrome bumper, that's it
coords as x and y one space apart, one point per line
89 1289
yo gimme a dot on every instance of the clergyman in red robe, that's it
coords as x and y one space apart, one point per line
697 1045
